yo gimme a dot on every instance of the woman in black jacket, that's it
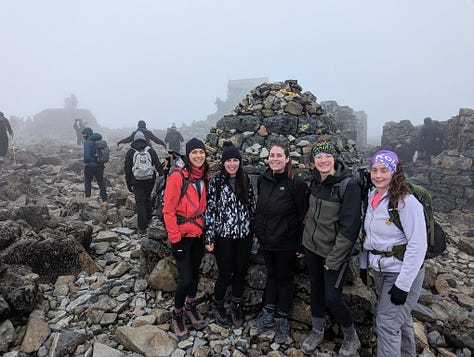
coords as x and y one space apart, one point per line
230 208
281 208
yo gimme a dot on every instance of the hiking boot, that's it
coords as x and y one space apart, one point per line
311 340
349 347
264 319
236 315
194 316
282 330
220 314
178 326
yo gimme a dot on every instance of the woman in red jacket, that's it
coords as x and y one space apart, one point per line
184 219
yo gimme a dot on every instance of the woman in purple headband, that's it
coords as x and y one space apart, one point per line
395 256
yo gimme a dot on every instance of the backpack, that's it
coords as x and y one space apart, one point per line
101 151
434 232
142 168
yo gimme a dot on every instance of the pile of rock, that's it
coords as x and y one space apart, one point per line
278 113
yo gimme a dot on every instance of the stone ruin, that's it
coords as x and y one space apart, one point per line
450 176
278 113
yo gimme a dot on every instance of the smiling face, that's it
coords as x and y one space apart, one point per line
277 159
197 157
380 176
231 166
324 163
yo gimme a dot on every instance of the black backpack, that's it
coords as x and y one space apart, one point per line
101 151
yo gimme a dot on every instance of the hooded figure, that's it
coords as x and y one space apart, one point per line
92 168
4 128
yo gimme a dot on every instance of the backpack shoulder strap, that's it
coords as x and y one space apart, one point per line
394 216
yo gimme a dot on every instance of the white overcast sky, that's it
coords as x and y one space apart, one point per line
167 61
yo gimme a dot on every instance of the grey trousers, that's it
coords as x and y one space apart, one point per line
395 335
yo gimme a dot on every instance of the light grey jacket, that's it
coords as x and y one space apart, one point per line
382 235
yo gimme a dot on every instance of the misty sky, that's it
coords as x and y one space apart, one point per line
167 61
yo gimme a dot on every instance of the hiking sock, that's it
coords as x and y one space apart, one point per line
318 323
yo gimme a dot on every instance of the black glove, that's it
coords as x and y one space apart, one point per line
397 296
363 275
130 188
178 250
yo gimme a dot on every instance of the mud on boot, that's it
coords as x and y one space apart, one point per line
193 316
220 314
349 347
311 340
264 319
178 326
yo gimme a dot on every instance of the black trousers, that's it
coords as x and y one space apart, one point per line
143 206
232 257
3 145
281 269
323 292
188 270
98 172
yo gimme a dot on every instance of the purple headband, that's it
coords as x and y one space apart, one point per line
387 158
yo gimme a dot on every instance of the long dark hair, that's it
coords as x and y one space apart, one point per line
398 187
241 183
289 166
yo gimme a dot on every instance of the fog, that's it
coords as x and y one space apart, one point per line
166 62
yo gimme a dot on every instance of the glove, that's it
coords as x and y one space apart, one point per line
178 250
130 188
118 144
363 275
397 296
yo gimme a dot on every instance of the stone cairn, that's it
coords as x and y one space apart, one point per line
278 113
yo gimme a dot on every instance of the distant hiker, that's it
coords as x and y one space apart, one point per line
141 165
149 136
428 142
92 168
404 149
174 139
78 125
4 128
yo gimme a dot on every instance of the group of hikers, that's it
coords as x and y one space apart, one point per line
292 221
319 223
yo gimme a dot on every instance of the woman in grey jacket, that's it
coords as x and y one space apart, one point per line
331 229
230 209
398 282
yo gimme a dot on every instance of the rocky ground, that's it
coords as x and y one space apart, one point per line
77 280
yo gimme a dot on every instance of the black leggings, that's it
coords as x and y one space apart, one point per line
281 269
188 270
143 207
323 292
232 257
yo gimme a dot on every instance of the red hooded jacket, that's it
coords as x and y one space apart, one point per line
190 205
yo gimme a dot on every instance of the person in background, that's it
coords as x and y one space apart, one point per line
331 230
78 125
429 141
398 278
149 136
91 167
184 219
141 188
280 212
4 129
174 139
230 208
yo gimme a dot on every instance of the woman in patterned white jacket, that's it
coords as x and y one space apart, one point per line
230 209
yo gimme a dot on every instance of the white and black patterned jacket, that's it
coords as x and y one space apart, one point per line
230 218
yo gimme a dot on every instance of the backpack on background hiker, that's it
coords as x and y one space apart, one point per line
142 168
434 232
101 151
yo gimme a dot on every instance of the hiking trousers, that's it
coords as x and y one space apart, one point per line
98 172
143 208
395 334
